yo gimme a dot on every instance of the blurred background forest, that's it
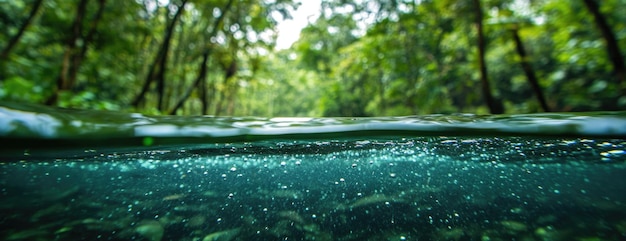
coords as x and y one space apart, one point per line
358 58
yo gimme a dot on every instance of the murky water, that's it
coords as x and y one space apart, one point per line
73 175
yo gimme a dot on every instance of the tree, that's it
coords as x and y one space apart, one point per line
4 55
158 67
495 106
359 58
612 47
528 69
76 49
202 70
578 72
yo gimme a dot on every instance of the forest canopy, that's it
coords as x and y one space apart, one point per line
358 58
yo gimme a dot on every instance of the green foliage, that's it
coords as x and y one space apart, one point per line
422 58
18 89
358 58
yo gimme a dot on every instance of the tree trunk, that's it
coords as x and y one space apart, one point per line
611 42
495 106
203 97
528 70
77 59
147 82
157 68
160 75
70 51
230 72
230 110
4 56
201 79
201 76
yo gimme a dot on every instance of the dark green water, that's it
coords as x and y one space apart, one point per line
78 175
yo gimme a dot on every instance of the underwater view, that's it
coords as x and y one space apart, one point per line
87 175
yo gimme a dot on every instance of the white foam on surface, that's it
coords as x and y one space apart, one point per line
38 124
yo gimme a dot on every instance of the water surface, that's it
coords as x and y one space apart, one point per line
83 175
